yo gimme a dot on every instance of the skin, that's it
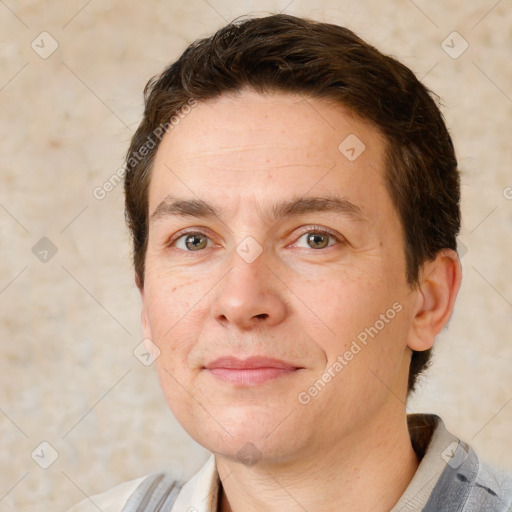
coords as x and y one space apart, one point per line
348 448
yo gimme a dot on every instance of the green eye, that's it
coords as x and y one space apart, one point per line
319 238
191 242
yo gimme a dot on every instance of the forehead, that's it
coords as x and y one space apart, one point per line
253 147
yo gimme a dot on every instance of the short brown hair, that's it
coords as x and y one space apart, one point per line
283 53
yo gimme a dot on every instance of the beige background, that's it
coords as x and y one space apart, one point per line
70 324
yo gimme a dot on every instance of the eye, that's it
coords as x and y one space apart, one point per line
315 238
318 238
191 241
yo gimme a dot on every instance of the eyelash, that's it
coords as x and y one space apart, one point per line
318 230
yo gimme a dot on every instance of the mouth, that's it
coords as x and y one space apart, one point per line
250 372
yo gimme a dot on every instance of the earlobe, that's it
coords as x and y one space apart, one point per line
439 284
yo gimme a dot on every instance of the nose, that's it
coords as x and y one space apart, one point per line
250 295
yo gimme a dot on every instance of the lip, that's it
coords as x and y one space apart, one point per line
251 363
251 371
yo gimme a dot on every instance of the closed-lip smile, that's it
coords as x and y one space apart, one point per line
251 371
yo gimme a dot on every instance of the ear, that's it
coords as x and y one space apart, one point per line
436 293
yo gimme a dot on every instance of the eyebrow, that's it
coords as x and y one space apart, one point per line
198 208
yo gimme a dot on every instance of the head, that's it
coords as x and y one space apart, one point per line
292 112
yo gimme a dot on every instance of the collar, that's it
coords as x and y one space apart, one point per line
433 444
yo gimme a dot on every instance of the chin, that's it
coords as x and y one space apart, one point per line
249 441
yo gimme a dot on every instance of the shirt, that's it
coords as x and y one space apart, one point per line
449 478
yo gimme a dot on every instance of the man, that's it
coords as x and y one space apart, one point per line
293 197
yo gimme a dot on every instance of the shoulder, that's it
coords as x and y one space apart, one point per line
161 488
468 484
463 480
491 484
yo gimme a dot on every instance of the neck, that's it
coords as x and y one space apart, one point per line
368 470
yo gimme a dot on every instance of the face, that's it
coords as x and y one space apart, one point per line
275 284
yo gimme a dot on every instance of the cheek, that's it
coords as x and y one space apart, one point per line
171 303
342 303
365 309
173 332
